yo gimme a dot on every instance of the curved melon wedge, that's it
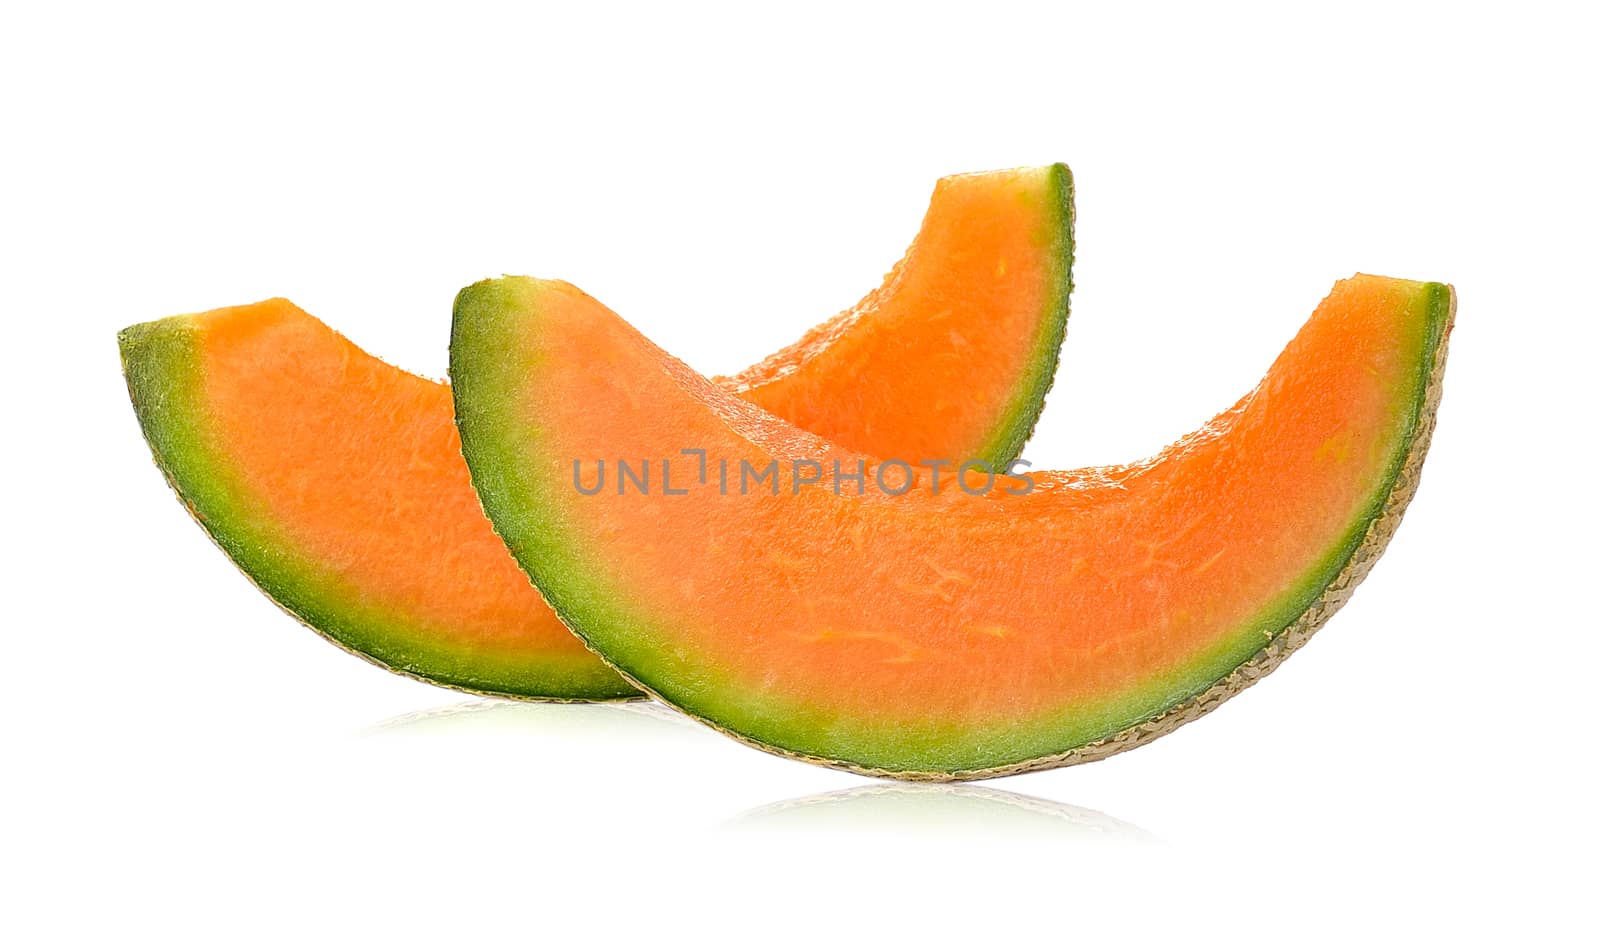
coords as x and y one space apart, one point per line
938 634
335 481
996 243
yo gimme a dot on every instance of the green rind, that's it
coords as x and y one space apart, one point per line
1022 416
484 314
163 366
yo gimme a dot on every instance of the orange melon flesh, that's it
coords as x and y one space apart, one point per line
984 246
936 633
336 483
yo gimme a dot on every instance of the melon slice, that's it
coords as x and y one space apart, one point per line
918 364
335 481
935 634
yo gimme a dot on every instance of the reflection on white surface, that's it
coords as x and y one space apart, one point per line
493 716
924 809
940 807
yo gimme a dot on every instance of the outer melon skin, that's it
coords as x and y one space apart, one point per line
1322 589
1358 560
164 368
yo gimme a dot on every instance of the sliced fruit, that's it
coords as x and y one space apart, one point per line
937 634
335 481
913 346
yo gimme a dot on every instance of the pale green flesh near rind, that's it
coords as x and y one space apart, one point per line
163 365
499 443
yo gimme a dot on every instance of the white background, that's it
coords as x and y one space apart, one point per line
183 762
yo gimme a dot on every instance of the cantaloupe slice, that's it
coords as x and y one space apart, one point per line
335 481
938 634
